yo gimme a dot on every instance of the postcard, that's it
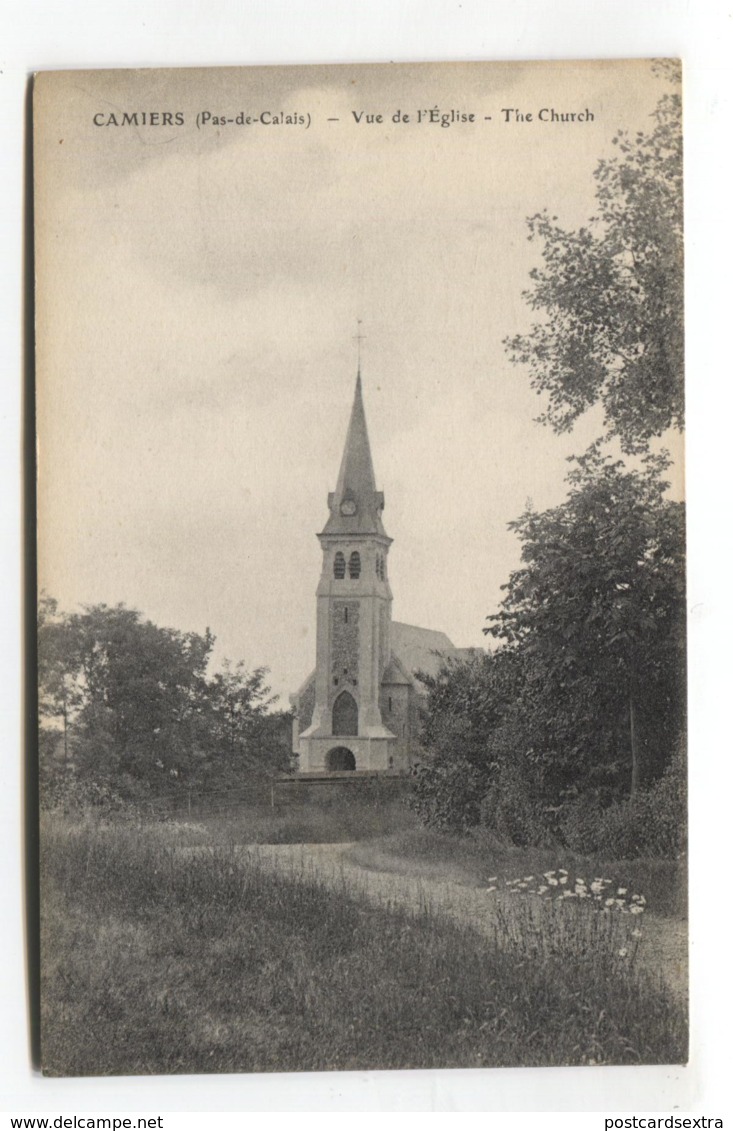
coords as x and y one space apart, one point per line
361 619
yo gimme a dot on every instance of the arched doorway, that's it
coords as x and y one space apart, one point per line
340 759
345 715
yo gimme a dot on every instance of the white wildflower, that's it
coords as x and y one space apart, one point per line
623 952
622 891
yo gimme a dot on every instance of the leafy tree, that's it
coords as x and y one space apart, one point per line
140 691
245 735
583 702
598 612
611 293
585 696
467 702
140 714
58 692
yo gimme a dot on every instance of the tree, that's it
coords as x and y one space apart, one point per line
611 293
131 694
58 692
467 704
246 736
583 701
598 610
140 713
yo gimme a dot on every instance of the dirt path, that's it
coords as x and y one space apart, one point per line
663 950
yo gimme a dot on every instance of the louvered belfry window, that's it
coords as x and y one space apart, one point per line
339 566
355 565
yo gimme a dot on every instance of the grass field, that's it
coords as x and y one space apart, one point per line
363 818
478 857
157 959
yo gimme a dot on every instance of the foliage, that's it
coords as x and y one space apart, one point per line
466 703
511 808
155 960
63 788
598 608
448 792
651 823
584 699
611 295
243 731
58 694
139 713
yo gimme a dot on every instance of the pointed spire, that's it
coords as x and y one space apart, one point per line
356 504
357 471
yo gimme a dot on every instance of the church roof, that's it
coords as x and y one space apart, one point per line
356 484
420 649
394 673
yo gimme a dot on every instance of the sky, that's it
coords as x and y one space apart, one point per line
199 292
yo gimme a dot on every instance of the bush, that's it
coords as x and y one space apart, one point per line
652 823
447 795
63 788
509 810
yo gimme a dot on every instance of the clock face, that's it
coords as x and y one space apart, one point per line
348 507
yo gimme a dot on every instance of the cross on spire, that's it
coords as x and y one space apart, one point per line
358 338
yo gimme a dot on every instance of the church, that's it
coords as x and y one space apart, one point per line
359 710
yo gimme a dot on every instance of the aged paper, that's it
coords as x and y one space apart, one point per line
273 302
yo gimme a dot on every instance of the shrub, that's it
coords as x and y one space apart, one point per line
447 795
651 823
61 787
510 811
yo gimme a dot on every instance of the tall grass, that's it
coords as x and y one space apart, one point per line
156 960
310 822
480 855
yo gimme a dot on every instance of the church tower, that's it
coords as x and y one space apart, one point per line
354 604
